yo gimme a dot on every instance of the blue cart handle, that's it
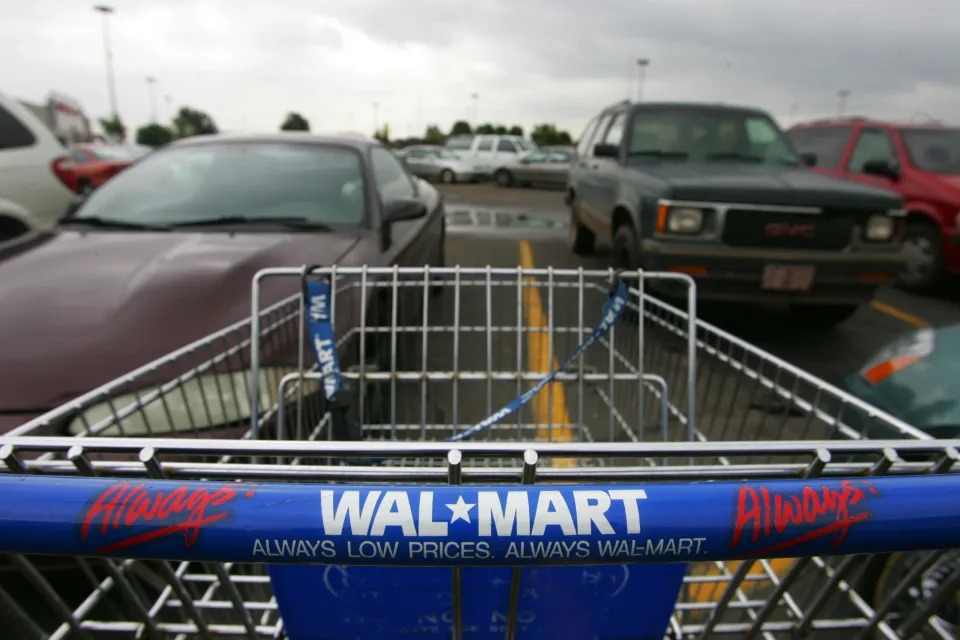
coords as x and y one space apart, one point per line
476 525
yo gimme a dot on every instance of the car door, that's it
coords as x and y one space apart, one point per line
506 152
420 162
871 145
529 168
412 242
557 167
588 169
608 173
485 156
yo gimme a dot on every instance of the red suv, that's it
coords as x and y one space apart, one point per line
920 162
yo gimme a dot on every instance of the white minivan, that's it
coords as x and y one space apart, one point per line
34 184
486 152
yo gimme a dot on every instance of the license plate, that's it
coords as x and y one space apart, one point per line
780 277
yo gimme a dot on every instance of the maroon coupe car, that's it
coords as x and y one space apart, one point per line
165 252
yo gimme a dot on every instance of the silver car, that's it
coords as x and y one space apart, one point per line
547 166
438 163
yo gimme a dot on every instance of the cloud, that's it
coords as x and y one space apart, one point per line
248 62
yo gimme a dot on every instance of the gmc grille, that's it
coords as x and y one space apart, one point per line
771 229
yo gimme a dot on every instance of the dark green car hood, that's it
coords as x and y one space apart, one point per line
765 184
925 394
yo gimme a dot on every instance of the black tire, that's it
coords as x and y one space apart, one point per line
925 261
823 315
625 255
447 176
504 178
581 240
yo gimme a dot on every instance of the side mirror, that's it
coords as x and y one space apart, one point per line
881 168
809 159
606 151
400 210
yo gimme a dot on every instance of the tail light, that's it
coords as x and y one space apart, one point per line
61 169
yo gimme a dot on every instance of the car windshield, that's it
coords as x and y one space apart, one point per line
719 135
934 150
321 184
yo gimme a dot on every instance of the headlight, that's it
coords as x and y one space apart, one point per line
204 402
899 355
879 227
682 220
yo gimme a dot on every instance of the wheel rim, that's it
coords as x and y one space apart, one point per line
921 257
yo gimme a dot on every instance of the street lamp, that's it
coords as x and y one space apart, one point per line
842 96
152 84
642 64
104 11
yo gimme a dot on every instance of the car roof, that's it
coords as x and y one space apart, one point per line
358 142
685 106
870 122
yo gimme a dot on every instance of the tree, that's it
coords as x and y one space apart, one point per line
516 130
433 135
484 129
461 127
546 134
500 130
383 134
192 122
295 122
154 135
114 128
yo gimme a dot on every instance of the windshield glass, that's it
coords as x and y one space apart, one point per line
526 145
708 135
934 150
318 183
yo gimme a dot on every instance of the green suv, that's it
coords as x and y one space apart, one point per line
719 193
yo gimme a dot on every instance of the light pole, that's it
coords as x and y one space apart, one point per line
104 11
169 100
476 113
642 64
842 96
152 84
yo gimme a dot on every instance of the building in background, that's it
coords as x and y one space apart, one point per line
65 118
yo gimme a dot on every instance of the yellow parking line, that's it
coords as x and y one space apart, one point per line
902 316
550 405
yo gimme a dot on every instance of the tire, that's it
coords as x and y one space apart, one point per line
824 315
504 178
581 240
447 177
625 255
925 261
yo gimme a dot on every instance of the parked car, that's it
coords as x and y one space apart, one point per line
914 379
94 164
546 166
32 172
486 152
920 162
164 253
438 163
719 193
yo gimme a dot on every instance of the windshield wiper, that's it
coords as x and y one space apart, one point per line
733 155
657 153
110 223
290 222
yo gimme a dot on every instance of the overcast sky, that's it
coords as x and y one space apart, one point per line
248 62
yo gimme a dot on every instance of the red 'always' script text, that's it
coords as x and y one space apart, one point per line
125 505
763 515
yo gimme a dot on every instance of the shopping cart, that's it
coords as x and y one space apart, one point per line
486 453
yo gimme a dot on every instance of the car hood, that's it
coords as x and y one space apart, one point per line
81 309
924 393
766 184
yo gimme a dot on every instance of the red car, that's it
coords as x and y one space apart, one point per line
920 162
91 165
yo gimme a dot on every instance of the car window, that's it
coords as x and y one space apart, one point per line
485 145
525 145
78 156
873 144
391 180
614 134
506 146
598 133
560 156
539 156
417 153
933 150
826 143
13 134
461 143
583 147
320 183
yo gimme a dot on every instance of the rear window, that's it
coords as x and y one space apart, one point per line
320 183
827 143
13 134
460 144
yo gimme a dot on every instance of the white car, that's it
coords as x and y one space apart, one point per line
486 152
32 177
